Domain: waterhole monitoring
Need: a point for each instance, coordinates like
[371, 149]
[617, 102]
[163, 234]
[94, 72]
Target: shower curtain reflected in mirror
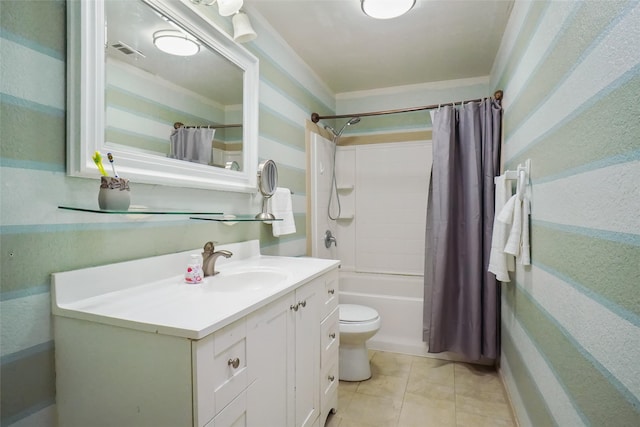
[462, 299]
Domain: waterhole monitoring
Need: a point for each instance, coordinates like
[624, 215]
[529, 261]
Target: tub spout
[209, 257]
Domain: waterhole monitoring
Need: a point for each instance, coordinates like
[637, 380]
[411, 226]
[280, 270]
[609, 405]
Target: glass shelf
[140, 210]
[133, 210]
[236, 218]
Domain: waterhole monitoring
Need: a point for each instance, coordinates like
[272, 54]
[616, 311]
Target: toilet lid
[356, 313]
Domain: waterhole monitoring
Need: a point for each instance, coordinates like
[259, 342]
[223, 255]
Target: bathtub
[398, 299]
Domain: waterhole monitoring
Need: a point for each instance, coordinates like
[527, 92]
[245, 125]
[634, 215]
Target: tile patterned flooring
[413, 391]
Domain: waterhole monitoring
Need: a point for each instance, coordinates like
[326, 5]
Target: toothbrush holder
[114, 194]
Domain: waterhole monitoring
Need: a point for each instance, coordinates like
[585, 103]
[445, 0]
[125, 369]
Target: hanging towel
[500, 263]
[518, 241]
[525, 247]
[281, 207]
[515, 234]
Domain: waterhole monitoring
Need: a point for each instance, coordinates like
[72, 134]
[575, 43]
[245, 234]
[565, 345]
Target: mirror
[267, 184]
[148, 107]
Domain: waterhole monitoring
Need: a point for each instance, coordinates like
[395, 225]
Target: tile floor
[412, 391]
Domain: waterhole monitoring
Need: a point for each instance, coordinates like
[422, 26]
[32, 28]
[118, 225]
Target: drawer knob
[331, 291]
[294, 307]
[234, 363]
[331, 378]
[332, 335]
[303, 303]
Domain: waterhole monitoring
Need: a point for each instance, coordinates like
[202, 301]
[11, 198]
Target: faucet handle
[209, 247]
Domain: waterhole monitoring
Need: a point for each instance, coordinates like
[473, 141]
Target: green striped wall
[38, 239]
[583, 148]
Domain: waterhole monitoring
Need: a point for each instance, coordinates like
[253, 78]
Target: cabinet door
[271, 361]
[307, 328]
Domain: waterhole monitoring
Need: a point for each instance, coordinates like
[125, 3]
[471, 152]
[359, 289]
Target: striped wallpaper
[38, 239]
[571, 322]
[571, 75]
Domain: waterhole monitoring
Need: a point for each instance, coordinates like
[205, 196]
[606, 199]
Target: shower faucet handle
[329, 239]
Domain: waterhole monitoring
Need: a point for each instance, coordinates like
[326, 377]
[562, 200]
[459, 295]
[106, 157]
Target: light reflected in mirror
[188, 108]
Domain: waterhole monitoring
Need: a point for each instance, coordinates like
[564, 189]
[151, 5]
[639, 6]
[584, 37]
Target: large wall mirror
[167, 118]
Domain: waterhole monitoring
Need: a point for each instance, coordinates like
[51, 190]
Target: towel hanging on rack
[500, 263]
[511, 224]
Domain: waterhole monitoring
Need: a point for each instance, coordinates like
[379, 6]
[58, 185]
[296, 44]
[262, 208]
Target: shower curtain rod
[315, 117]
[177, 125]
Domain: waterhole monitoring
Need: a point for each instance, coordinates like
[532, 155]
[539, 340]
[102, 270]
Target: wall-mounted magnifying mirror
[267, 184]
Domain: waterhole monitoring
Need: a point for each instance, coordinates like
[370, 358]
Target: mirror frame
[86, 102]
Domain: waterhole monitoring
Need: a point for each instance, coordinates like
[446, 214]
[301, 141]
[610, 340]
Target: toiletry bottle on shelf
[194, 273]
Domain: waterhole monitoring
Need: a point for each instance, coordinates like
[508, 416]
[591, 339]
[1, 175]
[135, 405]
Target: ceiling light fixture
[242, 30]
[386, 9]
[175, 43]
[229, 7]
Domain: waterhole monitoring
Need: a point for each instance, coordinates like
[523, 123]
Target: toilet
[358, 323]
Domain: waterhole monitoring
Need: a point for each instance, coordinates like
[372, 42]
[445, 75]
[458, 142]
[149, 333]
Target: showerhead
[352, 121]
[330, 129]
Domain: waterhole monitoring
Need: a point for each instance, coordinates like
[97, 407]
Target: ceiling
[349, 51]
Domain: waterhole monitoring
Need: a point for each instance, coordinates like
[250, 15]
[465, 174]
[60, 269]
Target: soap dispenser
[194, 273]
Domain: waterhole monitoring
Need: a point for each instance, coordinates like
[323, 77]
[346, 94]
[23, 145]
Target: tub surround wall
[571, 322]
[379, 229]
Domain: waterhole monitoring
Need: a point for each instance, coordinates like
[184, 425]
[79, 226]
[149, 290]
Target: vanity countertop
[150, 294]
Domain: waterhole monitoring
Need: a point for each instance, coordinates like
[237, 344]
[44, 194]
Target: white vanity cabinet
[286, 391]
[329, 344]
[265, 367]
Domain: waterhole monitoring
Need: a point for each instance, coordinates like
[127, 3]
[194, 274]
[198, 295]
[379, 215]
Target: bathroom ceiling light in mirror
[175, 42]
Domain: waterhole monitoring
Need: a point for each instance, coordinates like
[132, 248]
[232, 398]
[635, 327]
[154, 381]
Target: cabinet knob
[332, 335]
[234, 362]
[331, 291]
[303, 303]
[331, 378]
[294, 307]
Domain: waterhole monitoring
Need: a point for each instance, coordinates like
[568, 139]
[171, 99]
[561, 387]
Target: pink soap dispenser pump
[194, 273]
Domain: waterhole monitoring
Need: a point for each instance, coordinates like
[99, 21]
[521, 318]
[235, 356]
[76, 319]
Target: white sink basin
[246, 279]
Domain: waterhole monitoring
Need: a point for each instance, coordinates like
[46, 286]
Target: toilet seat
[353, 313]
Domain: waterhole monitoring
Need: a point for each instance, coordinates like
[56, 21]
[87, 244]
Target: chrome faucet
[209, 258]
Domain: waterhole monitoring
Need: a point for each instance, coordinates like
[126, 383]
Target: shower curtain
[462, 299]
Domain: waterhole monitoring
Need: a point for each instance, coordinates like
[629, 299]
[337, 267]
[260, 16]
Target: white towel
[525, 248]
[513, 242]
[281, 207]
[518, 241]
[500, 263]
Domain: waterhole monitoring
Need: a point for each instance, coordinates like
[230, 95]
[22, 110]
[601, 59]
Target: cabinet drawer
[234, 415]
[329, 388]
[330, 292]
[220, 370]
[330, 337]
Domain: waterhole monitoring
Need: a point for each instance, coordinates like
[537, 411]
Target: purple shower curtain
[462, 299]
